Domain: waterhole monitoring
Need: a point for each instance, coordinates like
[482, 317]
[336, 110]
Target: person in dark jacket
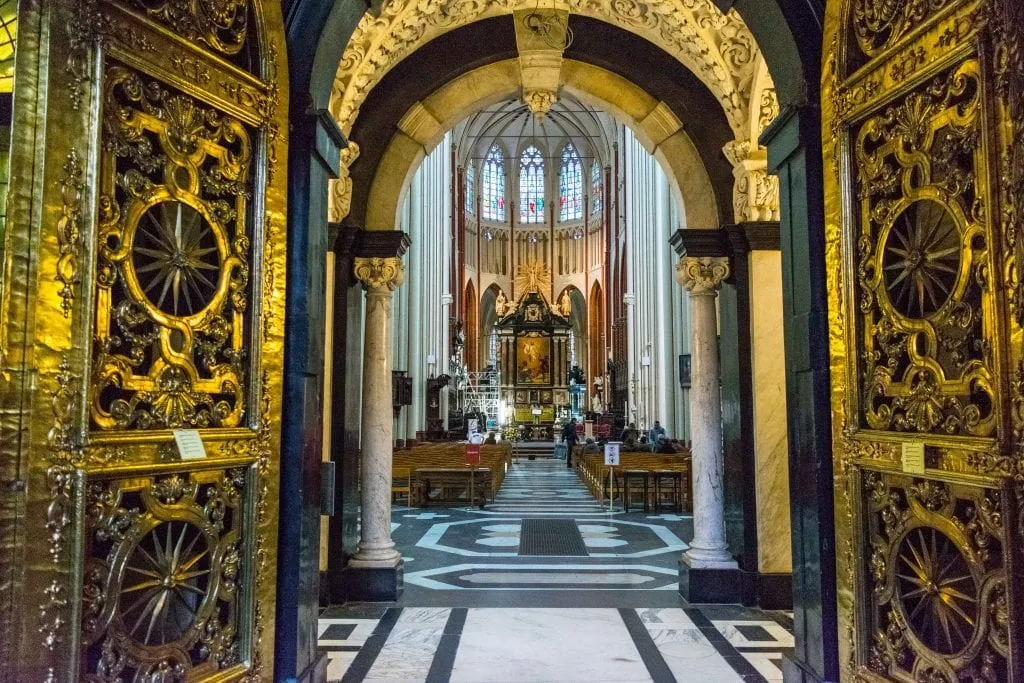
[569, 438]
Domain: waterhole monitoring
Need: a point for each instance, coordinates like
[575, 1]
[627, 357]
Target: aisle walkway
[544, 586]
[544, 487]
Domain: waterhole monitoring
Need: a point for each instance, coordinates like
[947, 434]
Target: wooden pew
[594, 474]
[439, 472]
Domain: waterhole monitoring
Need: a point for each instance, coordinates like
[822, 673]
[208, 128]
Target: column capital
[702, 275]
[378, 273]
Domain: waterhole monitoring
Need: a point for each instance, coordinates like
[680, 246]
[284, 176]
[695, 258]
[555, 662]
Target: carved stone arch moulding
[718, 48]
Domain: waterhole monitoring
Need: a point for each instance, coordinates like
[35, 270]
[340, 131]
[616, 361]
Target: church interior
[493, 340]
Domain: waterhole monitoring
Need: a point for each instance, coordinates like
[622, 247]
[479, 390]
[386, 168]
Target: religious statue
[458, 337]
[564, 305]
[500, 303]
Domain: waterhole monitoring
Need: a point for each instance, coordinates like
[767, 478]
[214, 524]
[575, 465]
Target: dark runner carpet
[553, 537]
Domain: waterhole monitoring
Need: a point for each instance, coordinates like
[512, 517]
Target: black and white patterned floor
[477, 607]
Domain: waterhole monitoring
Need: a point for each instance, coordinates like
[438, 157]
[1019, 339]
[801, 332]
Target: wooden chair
[401, 483]
[635, 481]
[668, 490]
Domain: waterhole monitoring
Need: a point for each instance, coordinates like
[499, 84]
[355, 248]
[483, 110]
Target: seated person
[656, 431]
[664, 445]
[491, 438]
[629, 434]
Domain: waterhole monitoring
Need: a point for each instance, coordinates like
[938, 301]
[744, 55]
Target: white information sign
[190, 444]
[913, 458]
[611, 453]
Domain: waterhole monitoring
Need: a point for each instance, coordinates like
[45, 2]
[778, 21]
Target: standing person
[569, 437]
[656, 431]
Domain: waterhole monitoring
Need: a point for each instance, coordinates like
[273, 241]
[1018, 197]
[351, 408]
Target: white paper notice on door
[913, 457]
[190, 444]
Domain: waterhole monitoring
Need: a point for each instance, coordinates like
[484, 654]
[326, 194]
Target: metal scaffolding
[483, 392]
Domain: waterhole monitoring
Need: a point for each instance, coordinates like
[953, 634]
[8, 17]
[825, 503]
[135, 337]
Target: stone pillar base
[793, 672]
[767, 591]
[374, 583]
[317, 671]
[720, 583]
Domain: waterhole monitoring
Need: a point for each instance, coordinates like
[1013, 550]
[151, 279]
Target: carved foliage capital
[380, 274]
[702, 275]
[540, 101]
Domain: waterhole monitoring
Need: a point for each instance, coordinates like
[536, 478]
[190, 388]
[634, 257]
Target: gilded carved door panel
[150, 236]
[923, 171]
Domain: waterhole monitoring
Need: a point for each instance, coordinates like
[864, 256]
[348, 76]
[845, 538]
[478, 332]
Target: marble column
[376, 551]
[702, 276]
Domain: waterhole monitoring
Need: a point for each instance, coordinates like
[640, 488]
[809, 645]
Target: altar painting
[533, 360]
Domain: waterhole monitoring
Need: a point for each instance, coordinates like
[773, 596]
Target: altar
[534, 353]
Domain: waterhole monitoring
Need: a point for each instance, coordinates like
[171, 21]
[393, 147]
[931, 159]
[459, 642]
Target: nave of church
[532, 340]
[490, 595]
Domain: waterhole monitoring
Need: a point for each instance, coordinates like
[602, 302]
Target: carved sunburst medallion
[921, 259]
[166, 580]
[176, 258]
[937, 589]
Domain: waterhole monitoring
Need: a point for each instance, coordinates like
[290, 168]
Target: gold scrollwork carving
[879, 24]
[162, 591]
[935, 568]
[83, 32]
[379, 274]
[702, 275]
[221, 25]
[173, 276]
[923, 263]
[69, 231]
[64, 458]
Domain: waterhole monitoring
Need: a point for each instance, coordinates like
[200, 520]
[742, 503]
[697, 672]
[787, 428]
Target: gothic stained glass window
[470, 187]
[570, 185]
[531, 186]
[492, 206]
[596, 189]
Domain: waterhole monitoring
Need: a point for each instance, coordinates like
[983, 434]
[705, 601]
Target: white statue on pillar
[564, 305]
[500, 303]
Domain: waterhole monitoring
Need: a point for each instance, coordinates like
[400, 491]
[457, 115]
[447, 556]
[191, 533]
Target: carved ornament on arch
[755, 193]
[718, 48]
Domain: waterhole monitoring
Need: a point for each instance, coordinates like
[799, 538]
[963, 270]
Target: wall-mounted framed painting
[522, 396]
[533, 360]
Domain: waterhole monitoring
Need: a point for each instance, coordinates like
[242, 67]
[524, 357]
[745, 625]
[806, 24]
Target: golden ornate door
[143, 304]
[924, 170]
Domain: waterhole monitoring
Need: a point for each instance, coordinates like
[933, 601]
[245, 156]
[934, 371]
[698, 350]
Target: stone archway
[425, 123]
[794, 153]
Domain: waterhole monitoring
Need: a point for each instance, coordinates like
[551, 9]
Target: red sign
[472, 454]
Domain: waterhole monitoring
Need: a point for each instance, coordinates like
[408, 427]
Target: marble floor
[474, 609]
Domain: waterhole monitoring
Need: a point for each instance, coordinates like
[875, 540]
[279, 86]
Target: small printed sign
[611, 453]
[472, 454]
[190, 444]
[913, 457]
